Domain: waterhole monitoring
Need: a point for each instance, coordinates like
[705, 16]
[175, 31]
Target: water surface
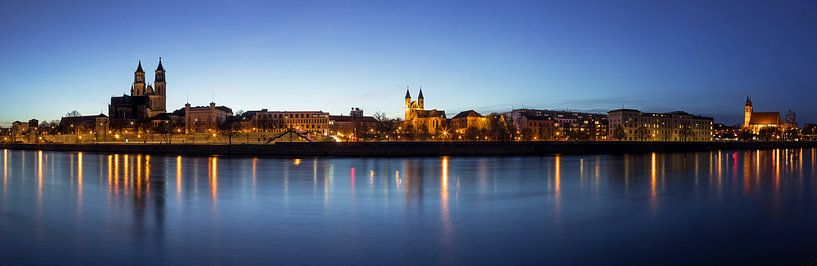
[725, 207]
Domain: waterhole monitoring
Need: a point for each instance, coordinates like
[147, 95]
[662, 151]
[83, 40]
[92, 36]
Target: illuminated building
[77, 124]
[461, 122]
[630, 125]
[204, 119]
[279, 121]
[418, 118]
[550, 124]
[355, 122]
[757, 121]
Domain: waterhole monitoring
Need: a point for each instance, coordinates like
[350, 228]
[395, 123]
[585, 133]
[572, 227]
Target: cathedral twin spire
[140, 89]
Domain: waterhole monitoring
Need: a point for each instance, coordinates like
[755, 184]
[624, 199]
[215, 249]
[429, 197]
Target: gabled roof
[469, 113]
[765, 118]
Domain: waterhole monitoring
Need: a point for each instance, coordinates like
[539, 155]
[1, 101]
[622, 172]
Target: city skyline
[467, 55]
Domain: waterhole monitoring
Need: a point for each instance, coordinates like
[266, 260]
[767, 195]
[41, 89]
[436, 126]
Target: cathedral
[144, 102]
[419, 118]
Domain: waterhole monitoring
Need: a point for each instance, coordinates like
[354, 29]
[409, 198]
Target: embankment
[397, 149]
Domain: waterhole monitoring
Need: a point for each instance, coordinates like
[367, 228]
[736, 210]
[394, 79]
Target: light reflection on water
[754, 206]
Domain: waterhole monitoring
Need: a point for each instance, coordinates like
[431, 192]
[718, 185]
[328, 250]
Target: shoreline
[409, 149]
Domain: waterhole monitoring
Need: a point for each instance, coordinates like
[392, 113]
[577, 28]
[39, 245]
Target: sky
[702, 57]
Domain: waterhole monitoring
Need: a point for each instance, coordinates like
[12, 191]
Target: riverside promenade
[400, 149]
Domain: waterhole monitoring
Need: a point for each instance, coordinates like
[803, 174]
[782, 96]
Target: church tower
[421, 100]
[159, 99]
[138, 81]
[408, 104]
[747, 112]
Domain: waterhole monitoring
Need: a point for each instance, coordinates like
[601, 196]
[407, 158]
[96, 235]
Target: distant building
[724, 132]
[204, 119]
[461, 122]
[757, 121]
[419, 118]
[628, 124]
[355, 122]
[550, 124]
[280, 121]
[144, 102]
[533, 124]
[91, 124]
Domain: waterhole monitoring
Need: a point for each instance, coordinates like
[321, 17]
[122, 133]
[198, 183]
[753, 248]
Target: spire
[160, 67]
[408, 96]
[421, 93]
[139, 68]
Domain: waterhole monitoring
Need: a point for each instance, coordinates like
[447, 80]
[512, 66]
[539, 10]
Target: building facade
[205, 119]
[355, 123]
[559, 125]
[461, 122]
[756, 121]
[418, 118]
[633, 125]
[279, 121]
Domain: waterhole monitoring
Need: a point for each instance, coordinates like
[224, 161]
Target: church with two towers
[145, 100]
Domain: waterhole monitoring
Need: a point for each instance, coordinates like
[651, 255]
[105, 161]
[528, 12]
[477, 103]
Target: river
[720, 207]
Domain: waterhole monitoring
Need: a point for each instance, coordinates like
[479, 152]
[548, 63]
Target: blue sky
[703, 57]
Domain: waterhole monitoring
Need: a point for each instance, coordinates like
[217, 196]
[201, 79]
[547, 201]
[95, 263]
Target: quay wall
[400, 149]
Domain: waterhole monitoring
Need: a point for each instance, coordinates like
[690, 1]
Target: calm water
[756, 207]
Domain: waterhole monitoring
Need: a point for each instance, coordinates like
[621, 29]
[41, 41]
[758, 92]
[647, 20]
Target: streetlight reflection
[213, 178]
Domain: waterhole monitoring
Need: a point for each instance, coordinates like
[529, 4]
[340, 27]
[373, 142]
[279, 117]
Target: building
[418, 118]
[724, 132]
[355, 123]
[632, 125]
[145, 100]
[532, 124]
[558, 125]
[204, 119]
[465, 120]
[96, 125]
[280, 121]
[754, 122]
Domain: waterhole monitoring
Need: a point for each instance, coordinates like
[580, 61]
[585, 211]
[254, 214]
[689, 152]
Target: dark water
[729, 208]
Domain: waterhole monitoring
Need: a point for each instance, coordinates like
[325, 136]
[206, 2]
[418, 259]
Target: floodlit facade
[280, 121]
[419, 118]
[756, 121]
[633, 125]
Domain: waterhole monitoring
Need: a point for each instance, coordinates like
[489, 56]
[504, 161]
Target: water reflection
[446, 203]
[213, 177]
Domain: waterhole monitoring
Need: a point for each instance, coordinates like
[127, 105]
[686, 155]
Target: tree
[791, 134]
[619, 133]
[745, 134]
[527, 134]
[166, 130]
[231, 128]
[472, 133]
[686, 131]
[74, 113]
[642, 133]
[768, 133]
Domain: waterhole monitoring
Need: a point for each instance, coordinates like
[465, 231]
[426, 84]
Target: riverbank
[395, 149]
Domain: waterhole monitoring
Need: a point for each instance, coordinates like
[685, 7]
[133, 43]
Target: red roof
[765, 118]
